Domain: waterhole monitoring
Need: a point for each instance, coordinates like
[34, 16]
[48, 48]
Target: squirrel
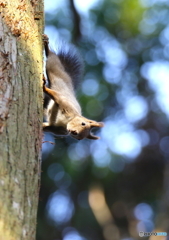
[61, 108]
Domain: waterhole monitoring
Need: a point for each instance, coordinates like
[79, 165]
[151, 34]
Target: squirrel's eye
[83, 124]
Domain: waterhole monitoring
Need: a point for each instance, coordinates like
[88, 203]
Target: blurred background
[112, 188]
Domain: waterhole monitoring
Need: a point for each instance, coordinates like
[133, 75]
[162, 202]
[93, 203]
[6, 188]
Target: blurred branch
[77, 20]
[102, 213]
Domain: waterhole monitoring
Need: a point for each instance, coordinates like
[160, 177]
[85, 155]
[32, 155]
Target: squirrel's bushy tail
[72, 62]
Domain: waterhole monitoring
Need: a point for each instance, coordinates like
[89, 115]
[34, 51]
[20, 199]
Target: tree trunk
[21, 26]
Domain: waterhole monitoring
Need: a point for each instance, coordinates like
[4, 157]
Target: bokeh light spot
[164, 144]
[55, 171]
[143, 211]
[136, 108]
[90, 87]
[60, 207]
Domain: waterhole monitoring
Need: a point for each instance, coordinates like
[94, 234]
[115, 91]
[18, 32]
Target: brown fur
[63, 112]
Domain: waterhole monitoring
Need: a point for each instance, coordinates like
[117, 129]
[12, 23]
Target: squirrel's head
[80, 127]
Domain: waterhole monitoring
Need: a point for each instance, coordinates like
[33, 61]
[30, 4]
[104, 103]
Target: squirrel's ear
[96, 124]
[93, 123]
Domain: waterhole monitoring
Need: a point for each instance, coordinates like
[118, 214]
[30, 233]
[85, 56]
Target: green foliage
[131, 15]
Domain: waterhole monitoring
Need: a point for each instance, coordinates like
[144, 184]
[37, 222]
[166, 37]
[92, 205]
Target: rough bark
[21, 26]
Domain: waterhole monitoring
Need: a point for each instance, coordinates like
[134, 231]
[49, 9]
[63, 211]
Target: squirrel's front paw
[44, 82]
[45, 38]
